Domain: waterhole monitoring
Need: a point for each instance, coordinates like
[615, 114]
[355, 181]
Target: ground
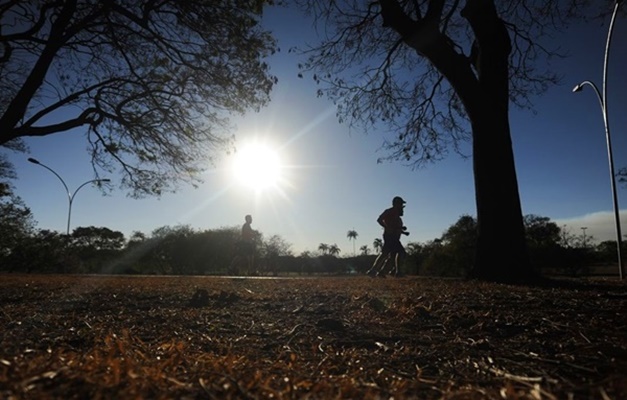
[105, 337]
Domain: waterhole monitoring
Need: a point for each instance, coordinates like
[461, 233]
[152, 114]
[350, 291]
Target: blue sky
[332, 182]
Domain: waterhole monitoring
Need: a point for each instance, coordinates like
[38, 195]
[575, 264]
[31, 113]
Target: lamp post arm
[78, 188]
[69, 195]
[71, 198]
[599, 96]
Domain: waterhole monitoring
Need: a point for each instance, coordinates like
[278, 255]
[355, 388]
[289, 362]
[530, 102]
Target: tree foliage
[98, 238]
[151, 83]
[541, 231]
[352, 235]
[16, 220]
[382, 77]
[378, 245]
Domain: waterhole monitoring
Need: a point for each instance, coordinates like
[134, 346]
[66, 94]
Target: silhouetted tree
[324, 248]
[96, 249]
[377, 244]
[541, 231]
[273, 249]
[416, 253]
[365, 250]
[16, 220]
[352, 235]
[460, 241]
[44, 251]
[97, 238]
[439, 72]
[151, 82]
[334, 250]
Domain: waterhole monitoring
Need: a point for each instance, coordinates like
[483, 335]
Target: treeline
[177, 250]
[182, 250]
[552, 250]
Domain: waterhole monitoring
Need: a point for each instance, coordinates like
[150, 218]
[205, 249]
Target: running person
[393, 228]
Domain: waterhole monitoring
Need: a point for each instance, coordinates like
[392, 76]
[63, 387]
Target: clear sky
[331, 181]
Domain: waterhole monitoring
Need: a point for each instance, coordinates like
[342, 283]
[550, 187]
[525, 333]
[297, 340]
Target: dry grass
[76, 337]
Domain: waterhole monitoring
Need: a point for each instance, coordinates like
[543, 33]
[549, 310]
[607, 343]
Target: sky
[331, 182]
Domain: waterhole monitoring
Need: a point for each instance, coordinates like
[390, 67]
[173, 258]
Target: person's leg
[384, 265]
[374, 264]
[395, 270]
[398, 260]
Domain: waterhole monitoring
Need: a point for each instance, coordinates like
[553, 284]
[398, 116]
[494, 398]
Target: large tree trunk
[501, 249]
[501, 253]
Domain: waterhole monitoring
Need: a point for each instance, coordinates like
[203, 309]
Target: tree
[324, 248]
[460, 242]
[16, 220]
[541, 231]
[436, 73]
[546, 252]
[43, 251]
[150, 82]
[98, 238]
[334, 250]
[136, 239]
[276, 246]
[378, 245]
[352, 235]
[416, 254]
[365, 250]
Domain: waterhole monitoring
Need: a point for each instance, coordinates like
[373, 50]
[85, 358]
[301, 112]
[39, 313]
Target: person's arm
[381, 220]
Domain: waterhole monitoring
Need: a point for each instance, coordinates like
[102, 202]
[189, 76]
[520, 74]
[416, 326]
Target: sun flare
[257, 166]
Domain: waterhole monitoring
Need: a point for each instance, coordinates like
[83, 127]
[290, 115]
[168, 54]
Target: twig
[583, 336]
[517, 378]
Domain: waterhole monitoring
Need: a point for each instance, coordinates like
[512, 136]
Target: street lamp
[583, 228]
[70, 195]
[603, 102]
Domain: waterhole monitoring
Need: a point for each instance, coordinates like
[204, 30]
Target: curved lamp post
[603, 102]
[70, 195]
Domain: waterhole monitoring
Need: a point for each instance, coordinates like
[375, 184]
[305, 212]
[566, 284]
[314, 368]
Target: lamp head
[105, 180]
[30, 159]
[577, 88]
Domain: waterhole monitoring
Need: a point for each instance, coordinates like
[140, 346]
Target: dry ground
[91, 337]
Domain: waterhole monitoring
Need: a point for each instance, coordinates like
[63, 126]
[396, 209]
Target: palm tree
[364, 250]
[378, 245]
[324, 248]
[352, 235]
[334, 250]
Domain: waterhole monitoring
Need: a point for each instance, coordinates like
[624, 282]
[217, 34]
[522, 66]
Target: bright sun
[257, 166]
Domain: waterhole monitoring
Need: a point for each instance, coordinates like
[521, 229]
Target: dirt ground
[104, 337]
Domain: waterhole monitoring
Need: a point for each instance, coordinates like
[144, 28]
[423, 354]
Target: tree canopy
[149, 83]
[373, 60]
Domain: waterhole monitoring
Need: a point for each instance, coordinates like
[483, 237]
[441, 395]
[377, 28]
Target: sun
[257, 166]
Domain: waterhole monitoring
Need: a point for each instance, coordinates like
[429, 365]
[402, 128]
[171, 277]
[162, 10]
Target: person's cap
[398, 200]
